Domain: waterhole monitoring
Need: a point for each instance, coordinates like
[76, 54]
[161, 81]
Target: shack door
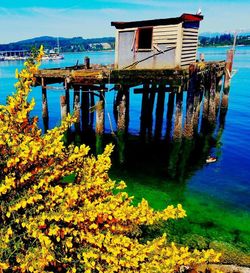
[126, 54]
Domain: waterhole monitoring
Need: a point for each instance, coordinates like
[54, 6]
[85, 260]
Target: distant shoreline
[216, 46]
[108, 50]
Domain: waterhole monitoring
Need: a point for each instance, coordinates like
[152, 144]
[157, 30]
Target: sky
[24, 19]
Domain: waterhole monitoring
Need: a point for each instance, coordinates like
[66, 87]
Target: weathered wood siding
[183, 39]
[166, 35]
[126, 55]
[189, 45]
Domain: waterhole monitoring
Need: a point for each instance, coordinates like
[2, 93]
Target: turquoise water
[176, 173]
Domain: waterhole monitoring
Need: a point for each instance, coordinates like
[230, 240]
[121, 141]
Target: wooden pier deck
[97, 74]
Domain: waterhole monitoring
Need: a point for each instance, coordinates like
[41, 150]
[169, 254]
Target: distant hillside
[79, 44]
[76, 44]
[216, 39]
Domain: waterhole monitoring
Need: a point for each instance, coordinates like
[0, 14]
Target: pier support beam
[99, 126]
[206, 98]
[149, 112]
[178, 115]
[170, 111]
[92, 105]
[63, 107]
[198, 96]
[67, 100]
[227, 78]
[159, 112]
[77, 103]
[45, 112]
[66, 86]
[77, 114]
[126, 93]
[121, 112]
[148, 97]
[217, 93]
[85, 109]
[87, 62]
[212, 111]
[121, 128]
[188, 128]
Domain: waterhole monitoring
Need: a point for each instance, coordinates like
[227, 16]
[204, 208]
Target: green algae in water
[207, 219]
[161, 174]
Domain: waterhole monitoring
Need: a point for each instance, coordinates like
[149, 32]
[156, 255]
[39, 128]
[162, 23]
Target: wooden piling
[170, 111]
[85, 109]
[212, 110]
[102, 98]
[121, 114]
[87, 62]
[126, 93]
[206, 97]
[188, 127]
[207, 124]
[77, 103]
[118, 98]
[102, 93]
[149, 113]
[144, 105]
[45, 112]
[121, 128]
[217, 93]
[67, 100]
[66, 86]
[63, 107]
[227, 78]
[99, 126]
[77, 114]
[86, 103]
[159, 112]
[201, 94]
[177, 134]
[92, 105]
[198, 96]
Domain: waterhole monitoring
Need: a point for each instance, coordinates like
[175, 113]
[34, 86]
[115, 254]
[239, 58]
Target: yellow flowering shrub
[87, 225]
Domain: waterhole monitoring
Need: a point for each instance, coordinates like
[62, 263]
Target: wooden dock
[97, 74]
[201, 80]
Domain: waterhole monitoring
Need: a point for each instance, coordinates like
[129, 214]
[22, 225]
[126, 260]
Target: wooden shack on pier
[157, 44]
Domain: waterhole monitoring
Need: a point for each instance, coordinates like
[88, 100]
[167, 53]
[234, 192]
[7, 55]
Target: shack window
[145, 38]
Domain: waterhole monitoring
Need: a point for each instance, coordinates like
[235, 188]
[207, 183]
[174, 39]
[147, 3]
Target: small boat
[52, 57]
[53, 54]
[211, 159]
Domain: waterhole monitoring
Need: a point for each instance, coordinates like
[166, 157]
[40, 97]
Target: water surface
[216, 196]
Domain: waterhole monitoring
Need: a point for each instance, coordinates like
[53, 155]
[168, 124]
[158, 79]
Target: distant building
[100, 46]
[106, 46]
[157, 44]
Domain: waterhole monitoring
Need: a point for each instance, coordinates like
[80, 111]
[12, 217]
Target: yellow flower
[16, 74]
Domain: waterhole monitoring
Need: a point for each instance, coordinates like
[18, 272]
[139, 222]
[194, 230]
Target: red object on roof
[191, 17]
[185, 17]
